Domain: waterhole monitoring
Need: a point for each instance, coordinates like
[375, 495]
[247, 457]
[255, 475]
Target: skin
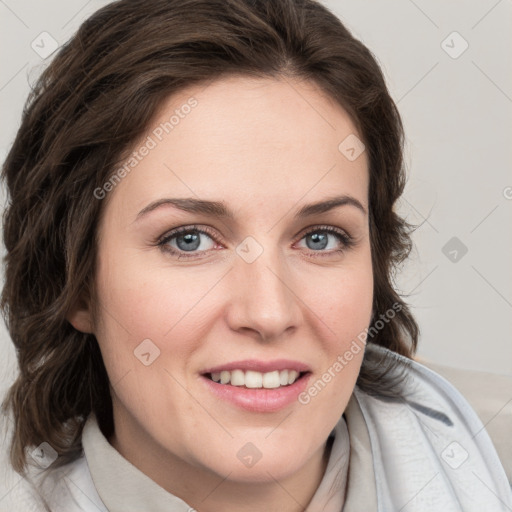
[265, 147]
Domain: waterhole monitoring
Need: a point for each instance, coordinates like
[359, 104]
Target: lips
[258, 386]
[258, 400]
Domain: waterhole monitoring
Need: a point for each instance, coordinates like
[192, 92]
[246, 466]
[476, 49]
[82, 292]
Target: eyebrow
[220, 210]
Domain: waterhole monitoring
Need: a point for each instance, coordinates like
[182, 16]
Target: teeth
[252, 379]
[271, 380]
[237, 378]
[292, 376]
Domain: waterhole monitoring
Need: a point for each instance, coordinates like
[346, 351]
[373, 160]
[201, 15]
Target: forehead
[249, 141]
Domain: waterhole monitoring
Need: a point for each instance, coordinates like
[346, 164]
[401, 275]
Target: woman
[200, 249]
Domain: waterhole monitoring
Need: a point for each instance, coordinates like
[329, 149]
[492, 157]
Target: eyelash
[345, 239]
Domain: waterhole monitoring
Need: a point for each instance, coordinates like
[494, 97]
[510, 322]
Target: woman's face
[250, 287]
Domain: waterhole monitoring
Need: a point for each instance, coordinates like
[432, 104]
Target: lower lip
[259, 399]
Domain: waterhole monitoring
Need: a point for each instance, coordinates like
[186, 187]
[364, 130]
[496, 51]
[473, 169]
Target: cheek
[343, 302]
[344, 312]
[347, 323]
[145, 336]
[140, 303]
[355, 301]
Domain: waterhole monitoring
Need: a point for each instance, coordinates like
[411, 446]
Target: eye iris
[318, 238]
[191, 240]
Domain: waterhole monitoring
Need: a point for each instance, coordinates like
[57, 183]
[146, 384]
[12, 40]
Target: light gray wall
[457, 115]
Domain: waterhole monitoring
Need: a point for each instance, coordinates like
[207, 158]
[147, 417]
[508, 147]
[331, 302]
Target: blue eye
[188, 241]
[185, 240]
[319, 238]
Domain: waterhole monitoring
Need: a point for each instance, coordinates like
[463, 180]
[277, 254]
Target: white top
[427, 452]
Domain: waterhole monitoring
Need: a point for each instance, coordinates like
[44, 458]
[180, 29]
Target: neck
[206, 491]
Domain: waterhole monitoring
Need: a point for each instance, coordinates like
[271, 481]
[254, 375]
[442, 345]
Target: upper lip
[260, 366]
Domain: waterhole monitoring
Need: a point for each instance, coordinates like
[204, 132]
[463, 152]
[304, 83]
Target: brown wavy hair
[91, 104]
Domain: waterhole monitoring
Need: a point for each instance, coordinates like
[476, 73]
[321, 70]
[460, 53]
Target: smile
[253, 379]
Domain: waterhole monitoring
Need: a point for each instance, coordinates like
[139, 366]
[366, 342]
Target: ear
[80, 316]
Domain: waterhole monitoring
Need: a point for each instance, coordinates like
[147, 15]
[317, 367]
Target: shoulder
[430, 437]
[67, 488]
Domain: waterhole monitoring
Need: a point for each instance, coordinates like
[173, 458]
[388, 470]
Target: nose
[264, 301]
